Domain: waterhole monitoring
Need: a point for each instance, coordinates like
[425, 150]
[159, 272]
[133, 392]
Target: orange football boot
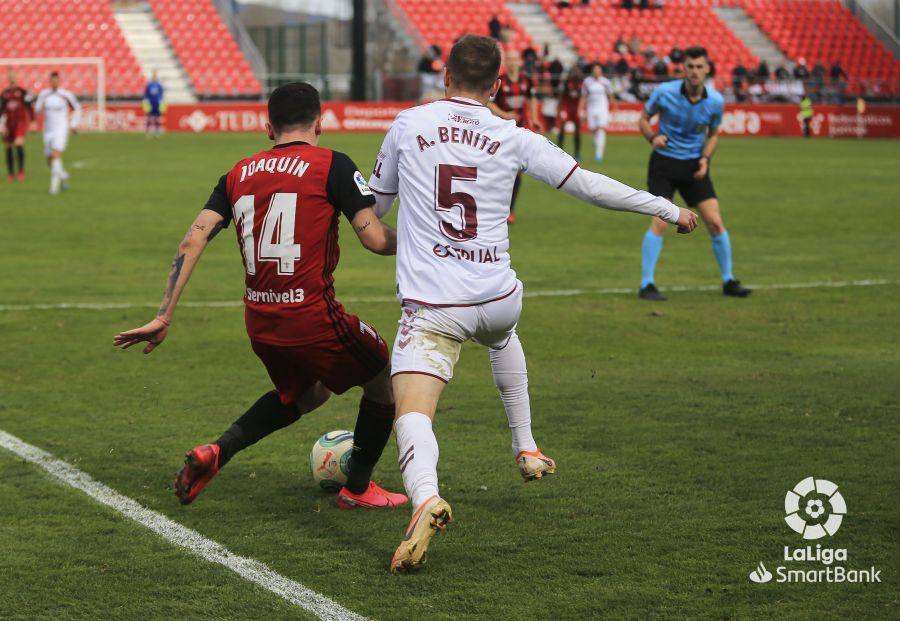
[374, 497]
[201, 464]
[534, 465]
[432, 516]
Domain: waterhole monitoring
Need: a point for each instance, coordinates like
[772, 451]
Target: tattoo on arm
[362, 227]
[215, 230]
[174, 273]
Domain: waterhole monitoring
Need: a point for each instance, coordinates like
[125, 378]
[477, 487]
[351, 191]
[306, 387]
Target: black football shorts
[666, 174]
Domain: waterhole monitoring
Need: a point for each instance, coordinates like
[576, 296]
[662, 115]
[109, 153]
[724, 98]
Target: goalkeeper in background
[153, 105]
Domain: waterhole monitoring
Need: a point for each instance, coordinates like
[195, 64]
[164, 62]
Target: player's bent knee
[715, 228]
[379, 388]
[313, 398]
[417, 392]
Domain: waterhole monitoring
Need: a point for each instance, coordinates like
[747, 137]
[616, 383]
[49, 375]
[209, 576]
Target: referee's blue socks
[721, 245]
[650, 250]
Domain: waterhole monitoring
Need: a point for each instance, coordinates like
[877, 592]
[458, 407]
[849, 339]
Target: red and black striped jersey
[513, 95]
[570, 91]
[16, 105]
[285, 203]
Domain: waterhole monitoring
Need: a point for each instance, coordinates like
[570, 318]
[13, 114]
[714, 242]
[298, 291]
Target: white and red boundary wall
[739, 119]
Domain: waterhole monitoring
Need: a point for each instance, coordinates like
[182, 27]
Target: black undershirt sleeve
[346, 188]
[218, 201]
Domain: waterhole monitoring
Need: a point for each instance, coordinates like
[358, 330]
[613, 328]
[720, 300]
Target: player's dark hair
[474, 63]
[295, 104]
[54, 74]
[697, 51]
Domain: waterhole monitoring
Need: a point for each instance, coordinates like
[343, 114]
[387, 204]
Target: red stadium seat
[440, 22]
[207, 51]
[817, 30]
[54, 28]
[823, 31]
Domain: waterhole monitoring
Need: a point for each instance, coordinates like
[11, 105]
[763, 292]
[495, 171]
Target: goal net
[85, 77]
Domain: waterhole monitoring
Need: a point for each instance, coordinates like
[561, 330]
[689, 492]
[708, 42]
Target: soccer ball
[328, 459]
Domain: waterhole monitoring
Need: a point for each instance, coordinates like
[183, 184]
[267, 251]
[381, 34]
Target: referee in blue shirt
[689, 117]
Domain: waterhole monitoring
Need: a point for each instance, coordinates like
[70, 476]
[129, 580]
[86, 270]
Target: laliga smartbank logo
[814, 508]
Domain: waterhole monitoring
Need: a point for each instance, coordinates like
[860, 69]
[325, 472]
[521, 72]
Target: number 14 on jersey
[276, 240]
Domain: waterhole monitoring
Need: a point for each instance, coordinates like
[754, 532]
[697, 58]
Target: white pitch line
[540, 293]
[247, 568]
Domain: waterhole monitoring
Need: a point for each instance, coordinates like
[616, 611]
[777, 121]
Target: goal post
[32, 73]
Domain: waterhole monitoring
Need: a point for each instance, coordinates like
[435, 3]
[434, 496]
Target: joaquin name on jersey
[288, 165]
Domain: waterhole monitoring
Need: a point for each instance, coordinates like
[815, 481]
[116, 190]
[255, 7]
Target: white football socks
[57, 174]
[599, 142]
[511, 378]
[418, 456]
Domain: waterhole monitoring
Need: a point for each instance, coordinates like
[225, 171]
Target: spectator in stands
[494, 27]
[660, 69]
[620, 47]
[817, 80]
[627, 4]
[837, 72]
[762, 70]
[801, 72]
[738, 80]
[659, 4]
[529, 61]
[818, 71]
[429, 68]
[781, 73]
[645, 4]
[637, 77]
[556, 70]
[622, 67]
[609, 68]
[676, 55]
[635, 45]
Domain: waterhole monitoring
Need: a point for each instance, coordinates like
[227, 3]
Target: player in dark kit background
[286, 203]
[569, 108]
[17, 108]
[516, 101]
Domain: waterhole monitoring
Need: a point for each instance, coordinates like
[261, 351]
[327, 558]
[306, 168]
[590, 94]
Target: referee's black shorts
[666, 174]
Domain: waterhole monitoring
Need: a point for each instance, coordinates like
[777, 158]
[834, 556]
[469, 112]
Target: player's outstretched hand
[154, 333]
[687, 220]
[660, 141]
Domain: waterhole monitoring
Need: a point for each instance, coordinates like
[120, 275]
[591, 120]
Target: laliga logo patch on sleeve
[361, 184]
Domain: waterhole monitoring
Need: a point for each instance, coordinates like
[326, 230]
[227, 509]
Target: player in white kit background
[596, 95]
[453, 164]
[56, 103]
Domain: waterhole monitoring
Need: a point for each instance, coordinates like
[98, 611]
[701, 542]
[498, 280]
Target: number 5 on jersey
[278, 224]
[445, 199]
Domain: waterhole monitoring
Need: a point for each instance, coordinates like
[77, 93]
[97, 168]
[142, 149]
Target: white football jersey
[55, 104]
[598, 91]
[454, 164]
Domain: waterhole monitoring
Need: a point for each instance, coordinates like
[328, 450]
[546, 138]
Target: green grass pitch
[678, 427]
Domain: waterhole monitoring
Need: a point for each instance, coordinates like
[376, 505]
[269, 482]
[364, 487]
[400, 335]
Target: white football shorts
[55, 141]
[430, 337]
[597, 118]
